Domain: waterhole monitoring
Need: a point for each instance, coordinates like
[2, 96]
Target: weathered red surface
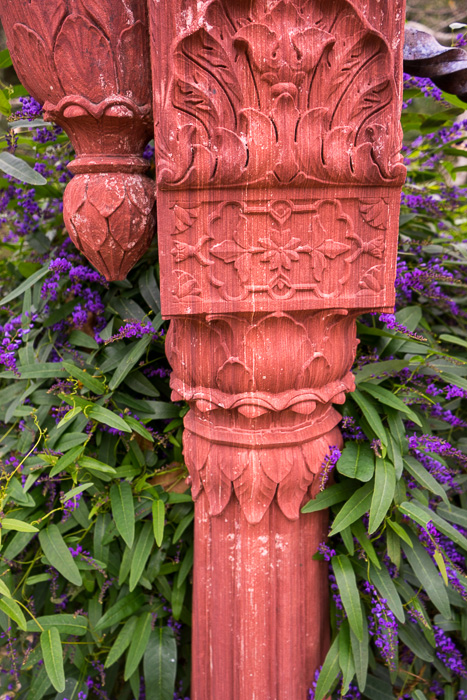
[82, 60]
[278, 173]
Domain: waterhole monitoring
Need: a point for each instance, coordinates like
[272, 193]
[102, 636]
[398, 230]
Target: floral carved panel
[279, 253]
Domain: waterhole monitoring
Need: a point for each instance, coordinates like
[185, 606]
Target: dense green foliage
[96, 554]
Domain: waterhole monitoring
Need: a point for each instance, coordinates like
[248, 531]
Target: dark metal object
[426, 58]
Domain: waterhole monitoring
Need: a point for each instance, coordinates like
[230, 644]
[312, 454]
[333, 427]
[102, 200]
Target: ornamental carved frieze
[277, 253]
[289, 93]
[87, 62]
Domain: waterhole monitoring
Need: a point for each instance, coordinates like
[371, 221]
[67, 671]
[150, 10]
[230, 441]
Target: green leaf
[149, 290]
[418, 695]
[5, 59]
[389, 399]
[454, 514]
[400, 531]
[96, 466]
[414, 640]
[121, 500]
[18, 525]
[53, 658]
[360, 533]
[414, 512]
[185, 566]
[126, 606]
[379, 369]
[160, 664]
[18, 168]
[386, 588]
[141, 554]
[74, 492]
[346, 662]
[357, 461]
[178, 596]
[360, 652]
[69, 458]
[122, 642]
[424, 478]
[39, 685]
[438, 557]
[103, 415]
[446, 528]
[57, 553]
[138, 428]
[371, 414]
[129, 361]
[158, 520]
[20, 289]
[85, 378]
[11, 608]
[4, 590]
[347, 583]
[82, 340]
[329, 497]
[182, 526]
[376, 689]
[76, 625]
[329, 671]
[383, 493]
[357, 505]
[138, 644]
[69, 415]
[427, 574]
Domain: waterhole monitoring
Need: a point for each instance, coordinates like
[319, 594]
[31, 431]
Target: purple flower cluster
[350, 429]
[382, 625]
[326, 551]
[12, 336]
[135, 329]
[328, 465]
[448, 653]
[391, 324]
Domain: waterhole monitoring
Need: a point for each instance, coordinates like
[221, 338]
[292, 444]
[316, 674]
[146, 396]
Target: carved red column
[87, 62]
[279, 175]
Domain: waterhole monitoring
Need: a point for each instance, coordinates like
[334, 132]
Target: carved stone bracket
[82, 60]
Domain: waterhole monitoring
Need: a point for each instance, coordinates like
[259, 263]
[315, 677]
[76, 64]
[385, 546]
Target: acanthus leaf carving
[261, 78]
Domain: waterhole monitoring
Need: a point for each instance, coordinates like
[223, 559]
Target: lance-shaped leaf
[347, 583]
[385, 484]
[53, 658]
[427, 574]
[58, 554]
[141, 554]
[121, 500]
[138, 644]
[160, 664]
[357, 505]
[329, 671]
[18, 168]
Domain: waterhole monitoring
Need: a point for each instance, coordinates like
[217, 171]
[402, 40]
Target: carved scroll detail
[261, 391]
[81, 58]
[299, 93]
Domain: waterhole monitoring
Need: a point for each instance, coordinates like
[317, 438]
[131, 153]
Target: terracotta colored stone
[82, 61]
[279, 176]
[277, 142]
